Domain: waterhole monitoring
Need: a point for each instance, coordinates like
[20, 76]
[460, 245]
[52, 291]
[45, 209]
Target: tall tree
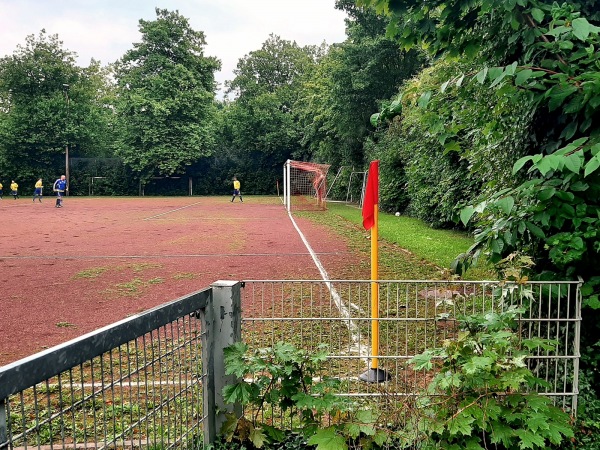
[49, 103]
[353, 79]
[36, 123]
[166, 91]
[261, 125]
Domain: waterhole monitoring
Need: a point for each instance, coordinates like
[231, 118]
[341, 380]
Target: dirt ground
[68, 271]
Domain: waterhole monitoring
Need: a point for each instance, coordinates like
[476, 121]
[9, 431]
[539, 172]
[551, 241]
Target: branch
[532, 23]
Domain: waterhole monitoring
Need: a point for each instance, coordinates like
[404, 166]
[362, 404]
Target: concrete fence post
[222, 321]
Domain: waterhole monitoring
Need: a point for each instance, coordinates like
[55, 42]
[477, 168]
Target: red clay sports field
[65, 272]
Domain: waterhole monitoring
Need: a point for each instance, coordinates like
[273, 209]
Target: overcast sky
[105, 29]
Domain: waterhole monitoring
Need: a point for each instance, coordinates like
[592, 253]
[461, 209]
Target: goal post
[304, 185]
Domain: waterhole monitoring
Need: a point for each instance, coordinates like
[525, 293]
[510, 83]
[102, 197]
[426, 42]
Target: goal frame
[306, 180]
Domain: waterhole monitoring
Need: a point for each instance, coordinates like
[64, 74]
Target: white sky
[105, 29]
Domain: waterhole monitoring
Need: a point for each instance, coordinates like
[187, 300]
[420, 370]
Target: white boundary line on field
[355, 337]
[169, 212]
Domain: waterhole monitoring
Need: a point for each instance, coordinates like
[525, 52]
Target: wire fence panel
[137, 383]
[414, 316]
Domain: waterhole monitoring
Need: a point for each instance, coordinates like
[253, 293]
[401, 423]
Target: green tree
[348, 86]
[165, 104]
[48, 103]
[260, 128]
[35, 126]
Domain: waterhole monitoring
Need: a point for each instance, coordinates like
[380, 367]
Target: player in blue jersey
[60, 187]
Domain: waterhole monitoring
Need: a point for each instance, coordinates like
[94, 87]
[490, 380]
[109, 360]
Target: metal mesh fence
[138, 383]
[414, 316]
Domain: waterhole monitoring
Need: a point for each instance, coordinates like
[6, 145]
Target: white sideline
[356, 340]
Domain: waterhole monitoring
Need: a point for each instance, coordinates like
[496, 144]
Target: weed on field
[93, 272]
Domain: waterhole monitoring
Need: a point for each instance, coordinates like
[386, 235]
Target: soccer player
[236, 190]
[14, 189]
[38, 190]
[60, 186]
[1, 192]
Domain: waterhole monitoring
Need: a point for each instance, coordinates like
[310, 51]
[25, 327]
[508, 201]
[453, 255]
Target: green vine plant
[286, 379]
[483, 394]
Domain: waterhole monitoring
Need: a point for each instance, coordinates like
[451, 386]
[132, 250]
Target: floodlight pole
[66, 86]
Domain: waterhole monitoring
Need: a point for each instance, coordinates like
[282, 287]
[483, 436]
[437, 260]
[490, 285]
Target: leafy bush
[285, 380]
[483, 393]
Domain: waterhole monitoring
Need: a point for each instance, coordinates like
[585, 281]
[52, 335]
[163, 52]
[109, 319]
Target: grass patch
[134, 287]
[64, 324]
[140, 267]
[184, 276]
[130, 287]
[157, 280]
[93, 272]
[404, 242]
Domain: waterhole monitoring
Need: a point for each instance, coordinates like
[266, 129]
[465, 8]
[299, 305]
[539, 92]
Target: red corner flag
[371, 196]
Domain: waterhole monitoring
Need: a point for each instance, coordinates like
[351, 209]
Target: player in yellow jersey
[38, 190]
[14, 189]
[236, 190]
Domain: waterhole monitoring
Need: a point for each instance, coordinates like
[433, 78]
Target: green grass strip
[439, 247]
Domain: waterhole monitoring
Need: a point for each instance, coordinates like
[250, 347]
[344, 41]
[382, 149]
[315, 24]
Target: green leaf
[558, 94]
[501, 433]
[229, 425]
[257, 437]
[535, 230]
[520, 163]
[375, 119]
[380, 438]
[444, 86]
[581, 28]
[510, 70]
[422, 361]
[544, 165]
[506, 204]
[352, 430]
[529, 439]
[573, 163]
[240, 393]
[424, 99]
[592, 302]
[466, 213]
[523, 76]
[366, 416]
[461, 425]
[452, 146]
[592, 165]
[482, 75]
[537, 14]
[328, 439]
[546, 194]
[569, 131]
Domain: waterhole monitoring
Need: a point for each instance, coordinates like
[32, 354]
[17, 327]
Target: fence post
[222, 322]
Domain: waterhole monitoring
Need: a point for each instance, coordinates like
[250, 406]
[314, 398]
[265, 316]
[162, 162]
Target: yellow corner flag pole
[375, 288]
[370, 213]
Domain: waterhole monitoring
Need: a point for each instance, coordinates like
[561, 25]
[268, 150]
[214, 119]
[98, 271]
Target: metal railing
[414, 316]
[154, 380]
[146, 382]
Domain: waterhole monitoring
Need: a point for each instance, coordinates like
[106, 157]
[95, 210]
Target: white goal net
[304, 185]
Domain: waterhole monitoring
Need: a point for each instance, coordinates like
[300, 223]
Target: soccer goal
[304, 185]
